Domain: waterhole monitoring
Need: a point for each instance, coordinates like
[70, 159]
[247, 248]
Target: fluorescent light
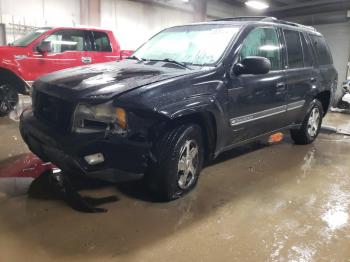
[257, 5]
[268, 48]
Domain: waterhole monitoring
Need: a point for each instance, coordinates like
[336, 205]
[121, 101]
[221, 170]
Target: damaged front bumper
[123, 159]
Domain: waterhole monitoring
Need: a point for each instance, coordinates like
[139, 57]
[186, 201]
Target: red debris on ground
[275, 138]
[27, 165]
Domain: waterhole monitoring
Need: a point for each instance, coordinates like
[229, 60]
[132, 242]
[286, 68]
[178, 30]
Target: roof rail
[295, 24]
[265, 19]
[243, 18]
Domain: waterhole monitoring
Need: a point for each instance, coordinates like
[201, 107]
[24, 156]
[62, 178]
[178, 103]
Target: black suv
[186, 95]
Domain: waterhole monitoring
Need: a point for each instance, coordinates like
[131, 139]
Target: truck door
[102, 49]
[300, 75]
[257, 103]
[68, 47]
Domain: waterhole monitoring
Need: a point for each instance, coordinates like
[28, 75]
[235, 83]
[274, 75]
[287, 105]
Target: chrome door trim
[266, 113]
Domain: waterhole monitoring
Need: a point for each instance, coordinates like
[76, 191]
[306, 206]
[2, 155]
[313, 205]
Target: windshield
[30, 37]
[195, 44]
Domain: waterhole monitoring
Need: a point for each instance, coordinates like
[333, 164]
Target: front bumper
[124, 159]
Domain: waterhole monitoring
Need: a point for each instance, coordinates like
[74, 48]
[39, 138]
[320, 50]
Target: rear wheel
[180, 160]
[311, 125]
[8, 98]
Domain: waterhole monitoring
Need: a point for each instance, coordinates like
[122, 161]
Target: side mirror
[44, 47]
[254, 65]
[125, 53]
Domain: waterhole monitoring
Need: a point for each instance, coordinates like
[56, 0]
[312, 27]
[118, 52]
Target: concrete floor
[256, 203]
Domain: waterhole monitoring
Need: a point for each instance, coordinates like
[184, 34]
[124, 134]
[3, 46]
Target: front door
[257, 103]
[68, 49]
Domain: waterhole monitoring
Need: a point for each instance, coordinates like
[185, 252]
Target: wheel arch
[325, 98]
[206, 121]
[8, 76]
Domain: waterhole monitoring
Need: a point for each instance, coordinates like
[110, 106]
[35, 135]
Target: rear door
[300, 75]
[257, 102]
[325, 70]
[102, 49]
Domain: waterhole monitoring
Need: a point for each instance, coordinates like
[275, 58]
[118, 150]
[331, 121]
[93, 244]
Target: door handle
[86, 59]
[281, 86]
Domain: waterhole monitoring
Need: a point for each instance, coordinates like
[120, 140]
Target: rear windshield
[30, 37]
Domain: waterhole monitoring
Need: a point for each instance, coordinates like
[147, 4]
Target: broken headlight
[89, 118]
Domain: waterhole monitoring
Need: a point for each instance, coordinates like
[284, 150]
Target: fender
[206, 104]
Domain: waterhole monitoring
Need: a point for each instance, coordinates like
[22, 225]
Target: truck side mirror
[125, 53]
[255, 65]
[44, 47]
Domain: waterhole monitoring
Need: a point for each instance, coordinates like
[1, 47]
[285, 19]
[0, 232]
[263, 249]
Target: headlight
[96, 118]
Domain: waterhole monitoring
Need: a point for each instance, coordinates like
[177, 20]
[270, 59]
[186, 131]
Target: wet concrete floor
[255, 203]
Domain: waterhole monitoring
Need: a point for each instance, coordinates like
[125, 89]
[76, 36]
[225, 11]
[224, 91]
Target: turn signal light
[121, 117]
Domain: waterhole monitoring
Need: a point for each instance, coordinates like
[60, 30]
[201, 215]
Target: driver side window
[67, 40]
[263, 42]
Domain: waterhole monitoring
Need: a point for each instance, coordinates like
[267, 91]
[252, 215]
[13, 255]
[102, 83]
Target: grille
[55, 112]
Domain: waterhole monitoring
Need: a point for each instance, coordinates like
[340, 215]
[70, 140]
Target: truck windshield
[194, 44]
[30, 37]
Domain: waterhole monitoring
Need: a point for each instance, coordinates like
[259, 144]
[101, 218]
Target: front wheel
[8, 98]
[311, 125]
[179, 162]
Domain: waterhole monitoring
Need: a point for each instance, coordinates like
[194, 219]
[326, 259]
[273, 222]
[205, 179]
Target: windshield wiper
[136, 58]
[169, 60]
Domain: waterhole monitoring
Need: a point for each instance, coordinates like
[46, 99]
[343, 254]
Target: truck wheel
[179, 162]
[311, 125]
[8, 98]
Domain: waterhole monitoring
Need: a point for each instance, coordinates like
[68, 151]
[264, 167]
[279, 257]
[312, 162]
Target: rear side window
[102, 43]
[308, 61]
[322, 51]
[263, 42]
[67, 40]
[294, 49]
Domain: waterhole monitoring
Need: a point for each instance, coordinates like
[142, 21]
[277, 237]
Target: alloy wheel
[313, 122]
[188, 164]
[8, 98]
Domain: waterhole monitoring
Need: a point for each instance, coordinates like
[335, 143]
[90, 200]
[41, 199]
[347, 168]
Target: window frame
[287, 66]
[309, 47]
[276, 29]
[93, 42]
[85, 48]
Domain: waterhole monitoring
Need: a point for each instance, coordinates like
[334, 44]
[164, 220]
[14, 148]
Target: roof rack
[265, 19]
[295, 24]
[242, 18]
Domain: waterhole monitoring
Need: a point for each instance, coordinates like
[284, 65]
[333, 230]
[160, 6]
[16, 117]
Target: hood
[14, 52]
[104, 81]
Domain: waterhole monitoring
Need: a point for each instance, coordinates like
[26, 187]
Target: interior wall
[133, 22]
[219, 9]
[35, 13]
[338, 39]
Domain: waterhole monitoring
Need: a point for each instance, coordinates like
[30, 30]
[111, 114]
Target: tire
[8, 98]
[311, 125]
[176, 172]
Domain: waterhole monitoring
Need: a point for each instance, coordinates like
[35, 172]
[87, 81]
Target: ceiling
[308, 12]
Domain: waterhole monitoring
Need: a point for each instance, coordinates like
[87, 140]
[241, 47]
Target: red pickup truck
[50, 49]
